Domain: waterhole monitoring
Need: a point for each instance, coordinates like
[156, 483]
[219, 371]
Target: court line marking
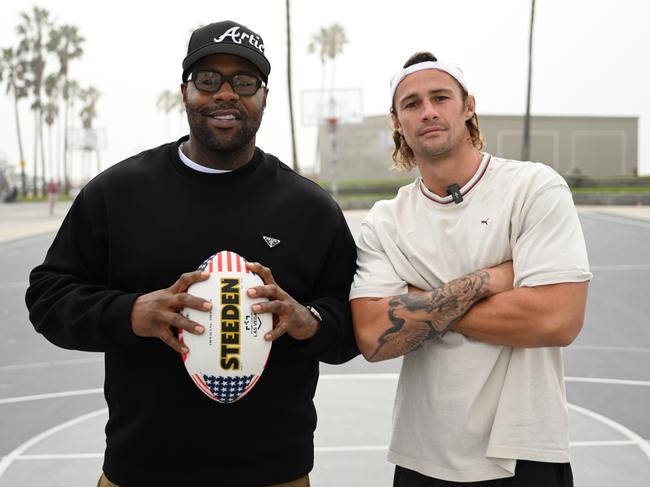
[607, 348]
[21, 284]
[365, 448]
[60, 456]
[380, 376]
[17, 453]
[36, 365]
[318, 449]
[385, 376]
[601, 380]
[574, 444]
[395, 376]
[6, 461]
[617, 219]
[51, 395]
[628, 433]
[349, 449]
[620, 267]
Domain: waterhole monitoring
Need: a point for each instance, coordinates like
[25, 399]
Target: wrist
[315, 321]
[498, 280]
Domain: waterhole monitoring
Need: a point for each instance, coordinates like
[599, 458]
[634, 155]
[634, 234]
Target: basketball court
[52, 410]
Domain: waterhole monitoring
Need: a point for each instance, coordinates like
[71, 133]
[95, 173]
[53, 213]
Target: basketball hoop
[319, 107]
[330, 108]
[84, 139]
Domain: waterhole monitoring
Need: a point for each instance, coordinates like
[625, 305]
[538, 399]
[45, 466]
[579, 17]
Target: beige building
[592, 146]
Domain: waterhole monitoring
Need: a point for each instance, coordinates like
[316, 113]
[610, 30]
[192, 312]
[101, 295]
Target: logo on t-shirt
[485, 222]
[270, 241]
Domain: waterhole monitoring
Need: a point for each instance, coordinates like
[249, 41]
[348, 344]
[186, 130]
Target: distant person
[12, 195]
[481, 397]
[116, 278]
[5, 187]
[53, 194]
[8, 192]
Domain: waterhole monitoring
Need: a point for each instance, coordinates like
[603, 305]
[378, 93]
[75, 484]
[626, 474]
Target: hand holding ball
[228, 358]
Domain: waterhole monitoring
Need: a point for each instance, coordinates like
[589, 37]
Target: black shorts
[527, 474]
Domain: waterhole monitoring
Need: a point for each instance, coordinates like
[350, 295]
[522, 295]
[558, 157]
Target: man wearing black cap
[110, 282]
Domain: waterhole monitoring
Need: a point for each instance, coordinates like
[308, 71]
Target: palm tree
[32, 32]
[329, 42]
[525, 146]
[66, 43]
[88, 113]
[12, 72]
[169, 101]
[50, 115]
[89, 97]
[70, 90]
[290, 90]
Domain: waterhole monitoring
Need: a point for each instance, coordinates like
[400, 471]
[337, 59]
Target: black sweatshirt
[136, 228]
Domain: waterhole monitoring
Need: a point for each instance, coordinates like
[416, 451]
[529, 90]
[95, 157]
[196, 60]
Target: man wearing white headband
[477, 274]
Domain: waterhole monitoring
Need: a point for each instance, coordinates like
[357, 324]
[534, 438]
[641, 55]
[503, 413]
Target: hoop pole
[332, 121]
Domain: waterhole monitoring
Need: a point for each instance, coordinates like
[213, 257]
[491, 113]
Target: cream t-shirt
[466, 410]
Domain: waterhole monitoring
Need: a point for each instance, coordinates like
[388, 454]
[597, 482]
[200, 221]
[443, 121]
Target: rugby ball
[229, 357]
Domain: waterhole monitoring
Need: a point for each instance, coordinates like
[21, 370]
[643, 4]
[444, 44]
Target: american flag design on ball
[227, 360]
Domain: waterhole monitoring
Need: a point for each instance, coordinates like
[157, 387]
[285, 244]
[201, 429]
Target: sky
[590, 58]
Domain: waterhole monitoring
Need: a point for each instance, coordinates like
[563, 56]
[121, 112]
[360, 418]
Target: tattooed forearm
[417, 317]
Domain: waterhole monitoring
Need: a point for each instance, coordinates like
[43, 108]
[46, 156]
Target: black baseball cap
[226, 37]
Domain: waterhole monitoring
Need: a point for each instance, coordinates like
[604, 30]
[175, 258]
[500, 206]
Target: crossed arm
[540, 316]
[481, 305]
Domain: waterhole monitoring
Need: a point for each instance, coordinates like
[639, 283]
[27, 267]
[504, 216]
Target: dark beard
[223, 144]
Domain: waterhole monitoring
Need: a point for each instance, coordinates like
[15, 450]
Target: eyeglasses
[243, 84]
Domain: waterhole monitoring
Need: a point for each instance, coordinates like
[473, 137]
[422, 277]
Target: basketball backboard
[345, 105]
[87, 139]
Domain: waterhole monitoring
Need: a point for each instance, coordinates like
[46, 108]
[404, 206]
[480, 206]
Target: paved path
[20, 220]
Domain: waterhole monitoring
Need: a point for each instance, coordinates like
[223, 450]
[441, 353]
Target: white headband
[449, 68]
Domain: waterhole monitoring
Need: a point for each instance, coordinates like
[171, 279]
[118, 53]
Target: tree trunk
[66, 129]
[50, 152]
[525, 146]
[35, 175]
[85, 166]
[21, 153]
[40, 137]
[290, 90]
[58, 148]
